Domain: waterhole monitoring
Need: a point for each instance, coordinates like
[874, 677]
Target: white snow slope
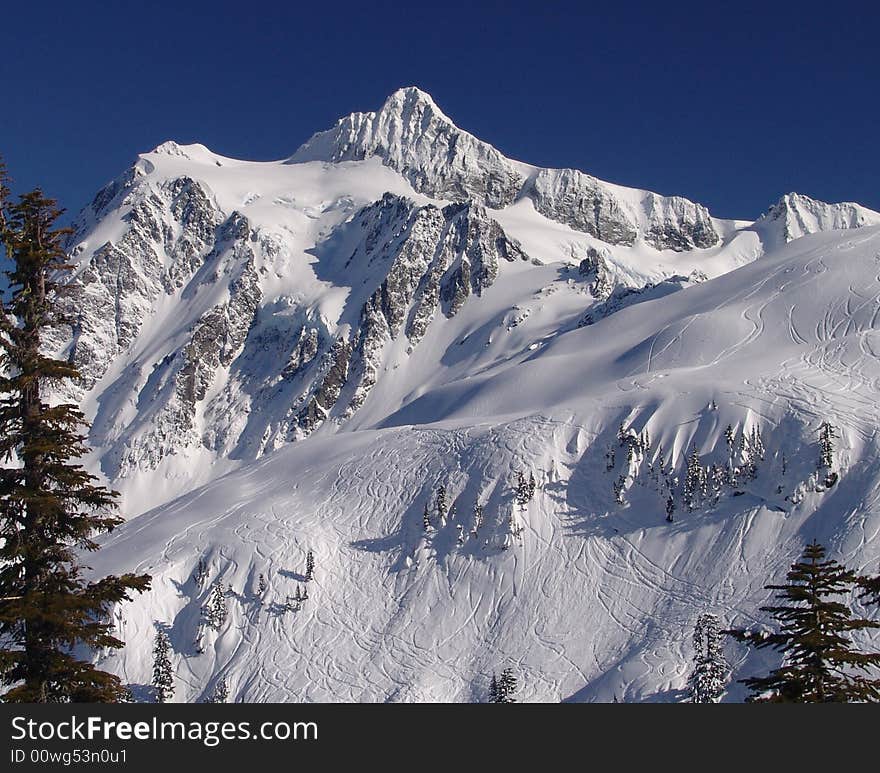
[280, 358]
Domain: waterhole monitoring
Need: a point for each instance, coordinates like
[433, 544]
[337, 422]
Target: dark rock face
[582, 203]
[622, 297]
[594, 266]
[436, 259]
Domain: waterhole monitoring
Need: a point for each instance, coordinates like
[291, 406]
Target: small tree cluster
[310, 566]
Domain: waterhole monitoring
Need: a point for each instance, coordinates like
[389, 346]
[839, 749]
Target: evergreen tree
[826, 446]
[522, 491]
[442, 506]
[819, 660]
[163, 674]
[215, 610]
[478, 518]
[709, 676]
[426, 519]
[493, 689]
[507, 686]
[50, 507]
[694, 482]
[310, 566]
[532, 486]
[609, 459]
[618, 489]
[201, 572]
[261, 583]
[221, 691]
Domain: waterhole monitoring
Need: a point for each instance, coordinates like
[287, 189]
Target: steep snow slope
[585, 597]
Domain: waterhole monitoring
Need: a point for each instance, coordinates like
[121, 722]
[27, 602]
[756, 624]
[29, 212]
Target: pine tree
[618, 489]
[493, 689]
[826, 446]
[507, 686]
[694, 482]
[522, 491]
[442, 506]
[201, 572]
[310, 566]
[532, 486]
[819, 660]
[609, 459]
[709, 676]
[261, 583]
[163, 674]
[215, 610]
[221, 691]
[426, 519]
[478, 518]
[50, 507]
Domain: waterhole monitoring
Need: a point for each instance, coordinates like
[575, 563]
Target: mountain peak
[796, 215]
[410, 96]
[410, 134]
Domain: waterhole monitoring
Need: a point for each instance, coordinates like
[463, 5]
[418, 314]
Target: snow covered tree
[709, 676]
[752, 452]
[670, 507]
[442, 505]
[694, 482]
[532, 486]
[426, 519]
[732, 471]
[478, 518]
[493, 689]
[507, 686]
[221, 691]
[715, 484]
[522, 491]
[618, 488]
[215, 610]
[826, 446]
[201, 572]
[310, 566]
[261, 583]
[820, 663]
[609, 459]
[163, 674]
[51, 508]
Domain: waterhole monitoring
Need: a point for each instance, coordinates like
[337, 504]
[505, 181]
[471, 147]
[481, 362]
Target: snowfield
[294, 356]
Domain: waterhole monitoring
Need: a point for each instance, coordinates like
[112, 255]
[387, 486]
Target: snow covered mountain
[296, 355]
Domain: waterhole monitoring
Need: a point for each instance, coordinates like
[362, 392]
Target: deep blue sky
[730, 104]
